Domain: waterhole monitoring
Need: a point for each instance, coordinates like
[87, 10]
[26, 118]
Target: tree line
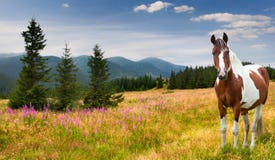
[201, 77]
[137, 84]
[190, 78]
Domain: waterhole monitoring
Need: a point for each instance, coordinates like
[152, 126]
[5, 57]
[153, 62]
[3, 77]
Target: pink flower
[86, 132]
[139, 118]
[95, 131]
[9, 111]
[49, 141]
[90, 123]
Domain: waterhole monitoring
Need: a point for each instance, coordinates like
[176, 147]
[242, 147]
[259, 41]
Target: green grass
[183, 124]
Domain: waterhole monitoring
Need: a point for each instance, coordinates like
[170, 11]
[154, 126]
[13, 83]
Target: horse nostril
[222, 77]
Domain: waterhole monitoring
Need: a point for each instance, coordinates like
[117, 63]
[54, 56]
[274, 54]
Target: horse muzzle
[222, 74]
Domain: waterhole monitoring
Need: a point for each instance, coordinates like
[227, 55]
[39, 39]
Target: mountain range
[10, 67]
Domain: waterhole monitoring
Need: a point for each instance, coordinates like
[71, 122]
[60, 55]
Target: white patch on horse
[217, 80]
[221, 64]
[250, 94]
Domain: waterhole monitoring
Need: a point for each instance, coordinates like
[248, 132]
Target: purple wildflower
[67, 110]
[103, 110]
[139, 118]
[9, 111]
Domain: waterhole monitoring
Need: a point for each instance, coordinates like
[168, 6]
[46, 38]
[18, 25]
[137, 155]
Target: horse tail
[259, 129]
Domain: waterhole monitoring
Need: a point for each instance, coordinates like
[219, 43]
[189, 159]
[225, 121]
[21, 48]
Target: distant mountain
[163, 66]
[10, 66]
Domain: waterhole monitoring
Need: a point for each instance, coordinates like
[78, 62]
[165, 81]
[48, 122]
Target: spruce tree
[34, 73]
[101, 93]
[172, 81]
[66, 81]
[159, 82]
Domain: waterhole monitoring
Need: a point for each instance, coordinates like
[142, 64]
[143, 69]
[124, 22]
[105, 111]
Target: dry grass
[155, 124]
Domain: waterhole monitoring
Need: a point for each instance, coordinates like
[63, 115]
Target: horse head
[220, 53]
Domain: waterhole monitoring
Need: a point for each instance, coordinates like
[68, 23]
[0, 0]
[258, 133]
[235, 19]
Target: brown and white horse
[241, 87]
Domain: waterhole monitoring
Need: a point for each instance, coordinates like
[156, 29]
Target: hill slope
[10, 67]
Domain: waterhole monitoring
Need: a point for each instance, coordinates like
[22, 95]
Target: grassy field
[155, 124]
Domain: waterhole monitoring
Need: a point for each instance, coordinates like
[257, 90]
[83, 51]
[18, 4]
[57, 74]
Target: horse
[241, 87]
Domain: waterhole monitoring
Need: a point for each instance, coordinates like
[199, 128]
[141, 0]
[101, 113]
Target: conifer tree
[100, 94]
[159, 82]
[66, 81]
[34, 73]
[172, 81]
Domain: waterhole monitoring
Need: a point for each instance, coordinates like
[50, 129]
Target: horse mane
[236, 63]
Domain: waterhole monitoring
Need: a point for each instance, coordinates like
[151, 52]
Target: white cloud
[153, 7]
[247, 23]
[142, 7]
[228, 17]
[65, 5]
[183, 8]
[258, 46]
[239, 25]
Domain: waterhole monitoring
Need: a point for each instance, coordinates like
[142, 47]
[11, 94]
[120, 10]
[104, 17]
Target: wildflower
[67, 110]
[98, 120]
[95, 131]
[15, 121]
[147, 112]
[9, 111]
[54, 123]
[49, 141]
[139, 118]
[76, 121]
[90, 123]
[86, 132]
[46, 107]
[88, 111]
[61, 118]
[103, 110]
[32, 111]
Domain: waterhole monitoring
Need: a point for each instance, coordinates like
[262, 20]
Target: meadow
[154, 124]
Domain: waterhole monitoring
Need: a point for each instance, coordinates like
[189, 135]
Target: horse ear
[213, 39]
[225, 37]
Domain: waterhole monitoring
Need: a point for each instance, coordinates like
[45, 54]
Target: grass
[155, 124]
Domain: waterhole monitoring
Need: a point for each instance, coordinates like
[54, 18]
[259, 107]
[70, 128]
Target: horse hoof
[252, 147]
[245, 145]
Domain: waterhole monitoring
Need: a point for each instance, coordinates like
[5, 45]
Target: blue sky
[174, 30]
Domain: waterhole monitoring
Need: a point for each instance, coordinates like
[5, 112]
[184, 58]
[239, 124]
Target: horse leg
[235, 129]
[223, 130]
[257, 125]
[246, 129]
[222, 110]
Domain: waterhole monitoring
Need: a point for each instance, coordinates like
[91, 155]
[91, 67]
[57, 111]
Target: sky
[177, 31]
